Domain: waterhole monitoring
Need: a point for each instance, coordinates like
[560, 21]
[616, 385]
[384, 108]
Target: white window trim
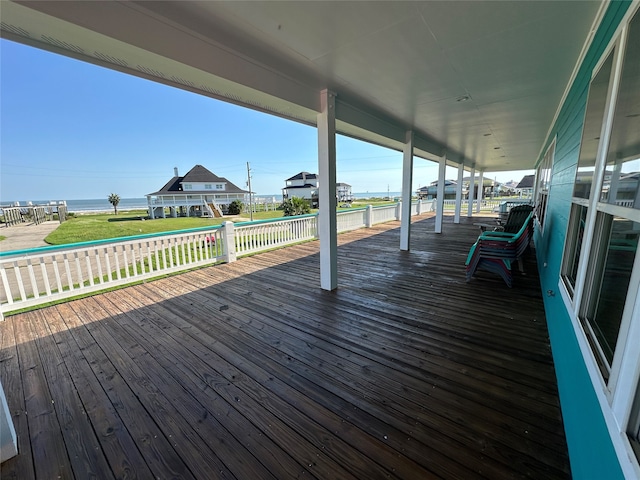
[546, 163]
[617, 398]
[617, 430]
[605, 134]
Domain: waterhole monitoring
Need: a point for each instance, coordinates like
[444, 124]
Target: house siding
[590, 448]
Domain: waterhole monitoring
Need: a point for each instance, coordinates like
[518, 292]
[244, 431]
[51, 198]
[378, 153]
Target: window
[219, 186]
[608, 277]
[207, 186]
[634, 425]
[573, 248]
[544, 181]
[598, 91]
[601, 270]
[188, 186]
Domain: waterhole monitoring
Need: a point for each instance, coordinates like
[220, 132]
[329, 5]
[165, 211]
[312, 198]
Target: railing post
[369, 217]
[419, 207]
[399, 211]
[229, 242]
[8, 442]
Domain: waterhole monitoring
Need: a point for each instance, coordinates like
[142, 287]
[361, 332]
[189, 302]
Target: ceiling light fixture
[463, 98]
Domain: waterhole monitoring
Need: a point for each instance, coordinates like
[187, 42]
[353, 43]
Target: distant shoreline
[101, 205]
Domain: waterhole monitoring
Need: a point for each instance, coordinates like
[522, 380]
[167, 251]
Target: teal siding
[590, 449]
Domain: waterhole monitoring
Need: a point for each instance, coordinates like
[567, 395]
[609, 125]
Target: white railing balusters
[45, 277]
[5, 283]
[89, 270]
[92, 266]
[32, 278]
[56, 272]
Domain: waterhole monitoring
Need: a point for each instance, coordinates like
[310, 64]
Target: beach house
[199, 193]
[305, 185]
[302, 185]
[406, 371]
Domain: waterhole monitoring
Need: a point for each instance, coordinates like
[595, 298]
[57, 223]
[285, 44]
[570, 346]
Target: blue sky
[72, 130]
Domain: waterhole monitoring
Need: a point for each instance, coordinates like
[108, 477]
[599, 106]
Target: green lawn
[85, 228]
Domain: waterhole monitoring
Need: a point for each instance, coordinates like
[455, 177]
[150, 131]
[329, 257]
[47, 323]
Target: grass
[2, 237]
[85, 228]
[99, 226]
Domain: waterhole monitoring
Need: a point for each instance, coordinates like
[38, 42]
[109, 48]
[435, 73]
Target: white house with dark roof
[302, 185]
[305, 185]
[199, 193]
[343, 192]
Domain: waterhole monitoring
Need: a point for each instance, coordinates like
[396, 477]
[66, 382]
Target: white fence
[261, 235]
[40, 275]
[46, 274]
[486, 205]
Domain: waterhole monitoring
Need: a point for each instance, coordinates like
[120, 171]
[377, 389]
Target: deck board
[249, 371]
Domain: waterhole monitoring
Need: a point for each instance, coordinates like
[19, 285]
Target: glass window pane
[574, 244]
[613, 254]
[591, 131]
[622, 176]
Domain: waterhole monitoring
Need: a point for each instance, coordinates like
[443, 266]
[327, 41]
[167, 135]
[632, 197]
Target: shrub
[295, 206]
[236, 207]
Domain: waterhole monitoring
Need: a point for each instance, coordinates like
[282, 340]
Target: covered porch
[248, 370]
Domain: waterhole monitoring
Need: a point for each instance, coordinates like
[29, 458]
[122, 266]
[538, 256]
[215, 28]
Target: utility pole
[249, 184]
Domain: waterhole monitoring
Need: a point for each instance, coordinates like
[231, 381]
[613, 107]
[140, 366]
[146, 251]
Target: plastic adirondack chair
[517, 216]
[496, 251]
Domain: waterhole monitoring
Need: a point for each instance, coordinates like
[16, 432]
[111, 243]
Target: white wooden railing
[261, 235]
[46, 274]
[486, 205]
[353, 219]
[41, 275]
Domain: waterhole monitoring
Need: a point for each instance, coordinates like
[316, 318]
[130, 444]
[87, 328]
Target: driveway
[26, 235]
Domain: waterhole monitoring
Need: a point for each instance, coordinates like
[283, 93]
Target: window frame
[543, 184]
[619, 395]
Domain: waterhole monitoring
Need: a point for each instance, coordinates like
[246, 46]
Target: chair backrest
[517, 217]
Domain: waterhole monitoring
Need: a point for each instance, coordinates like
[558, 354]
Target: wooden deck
[249, 371]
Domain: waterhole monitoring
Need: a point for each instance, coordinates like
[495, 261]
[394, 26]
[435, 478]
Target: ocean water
[102, 204]
[91, 204]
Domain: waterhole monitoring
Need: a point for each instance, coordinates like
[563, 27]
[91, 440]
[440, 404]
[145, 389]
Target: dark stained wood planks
[249, 370]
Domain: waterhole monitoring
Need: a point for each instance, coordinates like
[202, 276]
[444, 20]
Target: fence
[486, 205]
[45, 274]
[40, 275]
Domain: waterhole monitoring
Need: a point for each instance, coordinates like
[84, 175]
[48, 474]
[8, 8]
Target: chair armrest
[471, 252]
[498, 235]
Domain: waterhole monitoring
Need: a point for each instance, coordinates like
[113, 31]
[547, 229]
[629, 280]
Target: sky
[72, 130]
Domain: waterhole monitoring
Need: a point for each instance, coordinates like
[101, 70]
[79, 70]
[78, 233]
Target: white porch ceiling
[393, 65]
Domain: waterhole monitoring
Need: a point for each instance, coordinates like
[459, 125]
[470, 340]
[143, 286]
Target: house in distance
[199, 193]
[305, 185]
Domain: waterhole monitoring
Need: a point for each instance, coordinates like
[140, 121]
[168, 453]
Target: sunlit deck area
[249, 370]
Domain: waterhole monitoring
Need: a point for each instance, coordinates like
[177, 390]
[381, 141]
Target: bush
[236, 207]
[295, 206]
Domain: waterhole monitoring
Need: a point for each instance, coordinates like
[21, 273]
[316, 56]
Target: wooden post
[456, 217]
[480, 190]
[442, 166]
[229, 242]
[472, 175]
[327, 221]
[407, 182]
[8, 440]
